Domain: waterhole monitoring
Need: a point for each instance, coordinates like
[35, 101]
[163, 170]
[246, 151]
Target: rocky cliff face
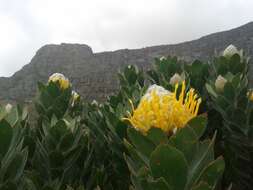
[93, 74]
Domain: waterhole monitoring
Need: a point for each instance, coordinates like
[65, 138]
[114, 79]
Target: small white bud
[162, 58]
[75, 95]
[231, 50]
[94, 103]
[8, 108]
[220, 83]
[174, 130]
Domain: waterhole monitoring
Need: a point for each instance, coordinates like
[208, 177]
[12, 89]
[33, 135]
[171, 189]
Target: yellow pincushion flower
[163, 109]
[63, 81]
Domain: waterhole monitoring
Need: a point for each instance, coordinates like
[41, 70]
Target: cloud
[109, 25]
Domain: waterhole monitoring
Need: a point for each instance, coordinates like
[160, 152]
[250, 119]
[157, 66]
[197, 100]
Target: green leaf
[59, 130]
[160, 184]
[235, 65]
[130, 74]
[142, 143]
[186, 141]
[66, 142]
[213, 172]
[6, 133]
[210, 90]
[202, 186]
[229, 91]
[9, 186]
[16, 167]
[56, 159]
[53, 89]
[133, 166]
[12, 117]
[157, 136]
[169, 163]
[198, 124]
[196, 67]
[204, 156]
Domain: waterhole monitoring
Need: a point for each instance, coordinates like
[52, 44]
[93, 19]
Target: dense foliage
[178, 126]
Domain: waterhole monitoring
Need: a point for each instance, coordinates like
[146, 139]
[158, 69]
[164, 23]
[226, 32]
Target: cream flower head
[58, 77]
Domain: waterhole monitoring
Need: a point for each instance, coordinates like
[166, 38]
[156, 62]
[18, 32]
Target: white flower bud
[231, 50]
[220, 83]
[94, 103]
[75, 95]
[162, 58]
[174, 130]
[8, 108]
[175, 79]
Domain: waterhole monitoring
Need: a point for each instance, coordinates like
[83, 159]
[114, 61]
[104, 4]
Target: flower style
[63, 81]
[176, 78]
[162, 109]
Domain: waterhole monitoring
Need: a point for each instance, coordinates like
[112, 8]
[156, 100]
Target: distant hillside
[93, 74]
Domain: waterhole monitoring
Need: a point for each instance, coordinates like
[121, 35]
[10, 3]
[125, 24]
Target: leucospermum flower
[162, 109]
[63, 81]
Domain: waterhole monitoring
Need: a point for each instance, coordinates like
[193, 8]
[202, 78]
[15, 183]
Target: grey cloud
[112, 24]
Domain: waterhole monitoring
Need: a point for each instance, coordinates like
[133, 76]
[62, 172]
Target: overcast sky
[105, 25]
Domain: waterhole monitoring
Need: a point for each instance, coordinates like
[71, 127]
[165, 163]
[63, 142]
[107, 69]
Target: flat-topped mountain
[93, 74]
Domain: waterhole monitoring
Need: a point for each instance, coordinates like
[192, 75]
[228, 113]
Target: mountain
[93, 74]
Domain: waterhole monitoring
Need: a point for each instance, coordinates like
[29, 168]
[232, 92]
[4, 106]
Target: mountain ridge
[94, 74]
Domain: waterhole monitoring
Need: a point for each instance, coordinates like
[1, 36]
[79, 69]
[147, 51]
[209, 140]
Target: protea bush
[177, 126]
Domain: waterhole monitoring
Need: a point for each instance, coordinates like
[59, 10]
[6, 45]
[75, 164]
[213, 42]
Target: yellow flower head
[63, 81]
[165, 110]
